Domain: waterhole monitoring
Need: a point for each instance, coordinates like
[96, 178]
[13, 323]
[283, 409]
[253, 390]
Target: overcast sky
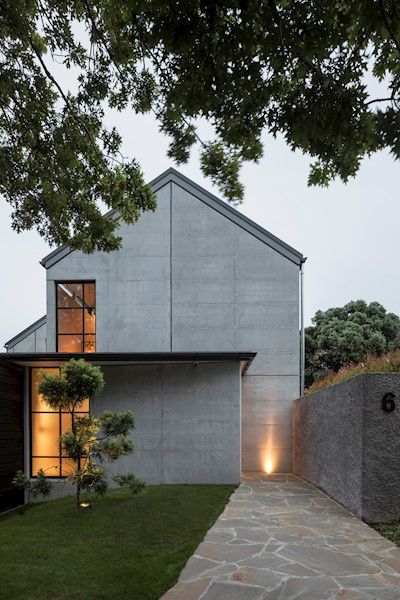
[350, 233]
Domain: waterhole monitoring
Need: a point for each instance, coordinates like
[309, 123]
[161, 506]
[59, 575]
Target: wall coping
[345, 381]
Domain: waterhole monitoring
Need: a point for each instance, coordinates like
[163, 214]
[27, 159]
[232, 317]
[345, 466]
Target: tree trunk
[78, 486]
[78, 482]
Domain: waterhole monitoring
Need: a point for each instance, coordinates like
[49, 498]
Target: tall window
[47, 426]
[76, 316]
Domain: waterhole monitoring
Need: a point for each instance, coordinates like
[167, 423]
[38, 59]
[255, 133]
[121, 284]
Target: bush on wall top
[348, 334]
[387, 363]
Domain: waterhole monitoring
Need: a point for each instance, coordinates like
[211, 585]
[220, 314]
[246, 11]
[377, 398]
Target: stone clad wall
[346, 444]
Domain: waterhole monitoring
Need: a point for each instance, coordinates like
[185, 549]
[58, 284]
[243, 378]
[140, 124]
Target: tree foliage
[91, 440]
[348, 334]
[292, 67]
[40, 486]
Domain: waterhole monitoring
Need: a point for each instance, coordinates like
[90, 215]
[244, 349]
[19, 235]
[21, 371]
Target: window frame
[81, 333]
[59, 414]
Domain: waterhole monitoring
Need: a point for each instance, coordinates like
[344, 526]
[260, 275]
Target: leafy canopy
[348, 334]
[77, 381]
[292, 67]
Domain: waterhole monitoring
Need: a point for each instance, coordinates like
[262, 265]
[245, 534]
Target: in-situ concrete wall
[35, 341]
[187, 278]
[187, 426]
[187, 420]
[346, 444]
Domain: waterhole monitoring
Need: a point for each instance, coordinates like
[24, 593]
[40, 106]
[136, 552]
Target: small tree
[91, 440]
[40, 486]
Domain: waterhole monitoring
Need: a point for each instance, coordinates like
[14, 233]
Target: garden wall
[346, 441]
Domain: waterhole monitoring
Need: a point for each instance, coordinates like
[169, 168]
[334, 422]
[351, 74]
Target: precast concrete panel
[187, 420]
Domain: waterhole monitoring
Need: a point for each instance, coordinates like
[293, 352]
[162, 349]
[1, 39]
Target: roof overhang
[45, 359]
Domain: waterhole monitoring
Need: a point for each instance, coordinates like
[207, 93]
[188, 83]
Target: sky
[349, 233]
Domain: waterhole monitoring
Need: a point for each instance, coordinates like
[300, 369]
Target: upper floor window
[76, 316]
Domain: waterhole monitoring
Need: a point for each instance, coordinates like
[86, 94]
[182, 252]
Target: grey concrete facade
[32, 339]
[187, 420]
[195, 275]
[346, 444]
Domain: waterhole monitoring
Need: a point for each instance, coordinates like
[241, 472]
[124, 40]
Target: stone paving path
[280, 538]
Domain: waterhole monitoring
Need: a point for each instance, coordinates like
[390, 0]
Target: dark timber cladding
[11, 433]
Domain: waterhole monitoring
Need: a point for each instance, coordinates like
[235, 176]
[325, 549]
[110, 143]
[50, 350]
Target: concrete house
[196, 322]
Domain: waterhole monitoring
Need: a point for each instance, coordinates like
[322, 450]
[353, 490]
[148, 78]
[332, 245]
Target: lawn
[390, 530]
[124, 547]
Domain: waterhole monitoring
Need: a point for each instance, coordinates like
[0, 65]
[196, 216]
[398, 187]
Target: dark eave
[174, 176]
[101, 358]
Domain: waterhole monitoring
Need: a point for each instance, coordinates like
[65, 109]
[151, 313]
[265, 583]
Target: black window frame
[81, 333]
[60, 413]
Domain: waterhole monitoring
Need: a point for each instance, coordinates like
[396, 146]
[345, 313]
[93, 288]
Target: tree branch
[68, 104]
[379, 100]
[388, 26]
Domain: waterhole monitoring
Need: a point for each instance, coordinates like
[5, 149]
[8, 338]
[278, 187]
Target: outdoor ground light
[268, 466]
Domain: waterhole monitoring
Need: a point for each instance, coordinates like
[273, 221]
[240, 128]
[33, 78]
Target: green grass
[391, 531]
[125, 547]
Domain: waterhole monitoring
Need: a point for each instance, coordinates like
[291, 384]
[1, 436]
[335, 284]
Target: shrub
[387, 363]
[349, 334]
[40, 486]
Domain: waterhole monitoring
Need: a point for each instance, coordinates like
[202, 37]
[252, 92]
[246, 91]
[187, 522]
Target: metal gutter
[302, 339]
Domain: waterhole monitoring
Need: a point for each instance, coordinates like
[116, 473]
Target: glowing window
[76, 316]
[46, 427]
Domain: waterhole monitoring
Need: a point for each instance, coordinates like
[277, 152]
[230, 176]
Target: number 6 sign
[388, 403]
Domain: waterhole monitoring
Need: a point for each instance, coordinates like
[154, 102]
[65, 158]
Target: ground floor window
[47, 426]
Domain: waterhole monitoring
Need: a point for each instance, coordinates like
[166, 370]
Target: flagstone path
[280, 538]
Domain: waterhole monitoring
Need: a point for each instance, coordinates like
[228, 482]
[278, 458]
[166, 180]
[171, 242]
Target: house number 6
[388, 403]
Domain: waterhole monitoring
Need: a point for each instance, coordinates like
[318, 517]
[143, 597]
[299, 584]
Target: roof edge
[222, 356]
[236, 216]
[174, 176]
[25, 332]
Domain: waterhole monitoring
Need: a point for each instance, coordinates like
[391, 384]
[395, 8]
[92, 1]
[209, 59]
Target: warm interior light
[268, 466]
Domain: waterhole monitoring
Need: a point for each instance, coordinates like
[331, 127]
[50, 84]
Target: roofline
[129, 357]
[25, 332]
[234, 215]
[174, 176]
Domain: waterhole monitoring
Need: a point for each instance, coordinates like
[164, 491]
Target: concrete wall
[132, 286]
[188, 278]
[346, 444]
[187, 422]
[33, 342]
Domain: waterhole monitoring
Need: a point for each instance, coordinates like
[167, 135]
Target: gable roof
[173, 176]
[25, 332]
